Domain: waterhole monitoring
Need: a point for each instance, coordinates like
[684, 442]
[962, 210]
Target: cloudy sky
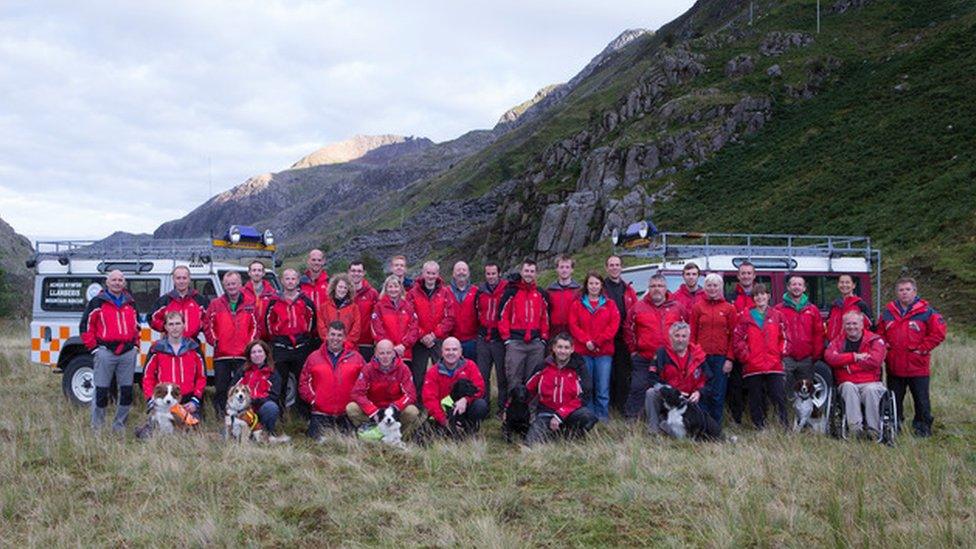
[117, 115]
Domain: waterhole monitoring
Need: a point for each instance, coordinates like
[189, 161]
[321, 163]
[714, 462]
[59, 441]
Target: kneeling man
[385, 381]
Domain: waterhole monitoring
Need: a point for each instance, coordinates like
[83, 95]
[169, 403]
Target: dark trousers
[225, 369]
[575, 425]
[461, 426]
[318, 424]
[289, 362]
[919, 386]
[418, 366]
[717, 381]
[491, 354]
[640, 382]
[765, 388]
[734, 392]
[367, 352]
[620, 373]
[469, 349]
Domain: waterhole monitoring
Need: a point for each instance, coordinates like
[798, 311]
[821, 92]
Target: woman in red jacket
[262, 379]
[759, 345]
[712, 327]
[340, 306]
[393, 318]
[593, 323]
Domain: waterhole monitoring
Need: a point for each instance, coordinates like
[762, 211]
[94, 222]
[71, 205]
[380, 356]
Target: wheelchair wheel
[889, 419]
[837, 421]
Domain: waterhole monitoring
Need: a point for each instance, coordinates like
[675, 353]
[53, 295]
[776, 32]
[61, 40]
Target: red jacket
[318, 289]
[264, 383]
[911, 337]
[741, 300]
[525, 312]
[848, 370]
[227, 331]
[435, 314]
[465, 312]
[488, 309]
[184, 367]
[193, 306]
[686, 298]
[760, 350]
[366, 298]
[560, 390]
[348, 314]
[106, 323]
[561, 299]
[647, 325]
[439, 381]
[686, 374]
[261, 303]
[398, 323]
[840, 307]
[713, 326]
[327, 385]
[377, 388]
[803, 330]
[290, 323]
[598, 324]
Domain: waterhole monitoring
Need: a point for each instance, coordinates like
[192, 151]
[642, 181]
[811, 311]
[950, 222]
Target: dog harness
[251, 419]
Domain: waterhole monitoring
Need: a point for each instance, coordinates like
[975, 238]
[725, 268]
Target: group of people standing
[428, 347]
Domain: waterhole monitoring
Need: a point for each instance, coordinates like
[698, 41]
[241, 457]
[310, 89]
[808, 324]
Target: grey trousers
[866, 394]
[520, 359]
[122, 368]
[492, 354]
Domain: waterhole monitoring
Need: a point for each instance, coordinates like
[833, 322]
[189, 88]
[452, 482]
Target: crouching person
[856, 357]
[260, 376]
[561, 391]
[174, 359]
[454, 393]
[679, 381]
[385, 381]
[327, 380]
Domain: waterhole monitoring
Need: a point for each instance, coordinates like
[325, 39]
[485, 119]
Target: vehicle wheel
[823, 395]
[78, 380]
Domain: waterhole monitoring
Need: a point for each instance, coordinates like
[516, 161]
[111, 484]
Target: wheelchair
[888, 415]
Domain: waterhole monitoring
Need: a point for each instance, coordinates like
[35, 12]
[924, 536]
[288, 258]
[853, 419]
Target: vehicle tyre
[78, 380]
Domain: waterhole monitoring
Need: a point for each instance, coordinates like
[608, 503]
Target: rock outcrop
[777, 43]
[18, 281]
[366, 148]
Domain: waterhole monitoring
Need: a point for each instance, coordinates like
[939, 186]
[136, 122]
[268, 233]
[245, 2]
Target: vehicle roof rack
[202, 250]
[678, 245]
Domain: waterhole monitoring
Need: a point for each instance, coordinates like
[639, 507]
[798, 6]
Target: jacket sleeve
[446, 323]
[405, 379]
[576, 325]
[817, 336]
[740, 340]
[868, 316]
[935, 333]
[274, 393]
[200, 374]
[208, 324]
[505, 315]
[150, 375]
[876, 355]
[544, 315]
[730, 320]
[91, 321]
[359, 396]
[586, 383]
[306, 390]
[253, 318]
[703, 386]
[566, 409]
[479, 381]
[312, 319]
[431, 402]
[352, 338]
[835, 358]
[656, 368]
[322, 321]
[630, 333]
[157, 316]
[412, 334]
[376, 325]
[693, 318]
[532, 385]
[609, 330]
[269, 318]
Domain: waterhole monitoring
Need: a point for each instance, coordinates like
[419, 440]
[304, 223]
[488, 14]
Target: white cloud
[109, 112]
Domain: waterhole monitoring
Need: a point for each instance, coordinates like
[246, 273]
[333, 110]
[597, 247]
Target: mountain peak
[353, 148]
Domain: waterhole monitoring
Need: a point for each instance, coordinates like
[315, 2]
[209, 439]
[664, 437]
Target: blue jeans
[599, 368]
[717, 382]
[268, 415]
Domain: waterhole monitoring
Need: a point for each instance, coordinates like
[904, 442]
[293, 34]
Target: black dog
[517, 414]
[687, 419]
[464, 388]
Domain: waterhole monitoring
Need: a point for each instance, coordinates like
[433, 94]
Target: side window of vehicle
[730, 282]
[823, 290]
[145, 291]
[205, 287]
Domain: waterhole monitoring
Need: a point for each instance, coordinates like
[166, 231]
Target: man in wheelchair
[856, 356]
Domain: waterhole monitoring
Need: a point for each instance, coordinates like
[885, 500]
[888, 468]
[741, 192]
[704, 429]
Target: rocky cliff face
[18, 282]
[373, 149]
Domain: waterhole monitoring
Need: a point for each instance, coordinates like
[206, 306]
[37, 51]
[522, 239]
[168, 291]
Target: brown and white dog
[161, 419]
[240, 422]
[803, 404]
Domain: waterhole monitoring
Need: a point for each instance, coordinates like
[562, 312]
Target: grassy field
[61, 485]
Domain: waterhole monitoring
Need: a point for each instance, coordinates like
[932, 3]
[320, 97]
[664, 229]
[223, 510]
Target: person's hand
[428, 340]
[858, 357]
[190, 407]
[554, 423]
[460, 406]
[399, 350]
[727, 367]
[590, 346]
[693, 397]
